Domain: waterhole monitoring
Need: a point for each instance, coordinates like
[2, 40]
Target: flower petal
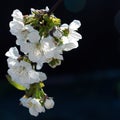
[33, 112]
[17, 15]
[13, 53]
[64, 26]
[74, 25]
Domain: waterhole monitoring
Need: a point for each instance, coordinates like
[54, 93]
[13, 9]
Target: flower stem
[55, 6]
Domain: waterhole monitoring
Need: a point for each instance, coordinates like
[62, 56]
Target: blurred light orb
[117, 21]
[74, 5]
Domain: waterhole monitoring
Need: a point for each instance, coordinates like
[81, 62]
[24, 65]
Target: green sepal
[54, 62]
[65, 32]
[16, 85]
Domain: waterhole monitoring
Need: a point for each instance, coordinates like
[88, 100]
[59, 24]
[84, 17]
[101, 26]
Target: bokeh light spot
[74, 5]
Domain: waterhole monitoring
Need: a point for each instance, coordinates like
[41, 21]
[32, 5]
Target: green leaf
[16, 85]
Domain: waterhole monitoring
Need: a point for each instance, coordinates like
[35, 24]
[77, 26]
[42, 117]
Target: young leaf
[16, 85]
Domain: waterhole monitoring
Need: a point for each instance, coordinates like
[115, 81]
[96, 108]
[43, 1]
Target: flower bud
[49, 103]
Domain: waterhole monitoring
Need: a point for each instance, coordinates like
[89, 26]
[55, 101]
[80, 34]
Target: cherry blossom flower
[21, 71]
[71, 40]
[33, 104]
[23, 74]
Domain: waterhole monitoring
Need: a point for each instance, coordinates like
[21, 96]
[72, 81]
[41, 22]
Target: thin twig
[55, 6]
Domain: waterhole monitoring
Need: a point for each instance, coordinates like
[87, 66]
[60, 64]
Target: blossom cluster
[41, 39]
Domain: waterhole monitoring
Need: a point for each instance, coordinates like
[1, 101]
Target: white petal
[39, 66]
[24, 102]
[75, 35]
[29, 28]
[32, 10]
[33, 112]
[17, 15]
[75, 24]
[42, 76]
[39, 108]
[70, 46]
[34, 76]
[47, 9]
[37, 105]
[20, 39]
[26, 65]
[58, 56]
[64, 26]
[12, 74]
[16, 27]
[49, 103]
[26, 85]
[11, 62]
[65, 40]
[35, 55]
[13, 53]
[34, 36]
[24, 47]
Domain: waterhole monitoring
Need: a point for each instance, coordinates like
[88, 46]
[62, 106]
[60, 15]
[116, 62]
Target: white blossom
[22, 32]
[16, 27]
[41, 51]
[33, 105]
[49, 103]
[71, 41]
[23, 74]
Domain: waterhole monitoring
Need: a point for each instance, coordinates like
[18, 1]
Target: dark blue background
[87, 84]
